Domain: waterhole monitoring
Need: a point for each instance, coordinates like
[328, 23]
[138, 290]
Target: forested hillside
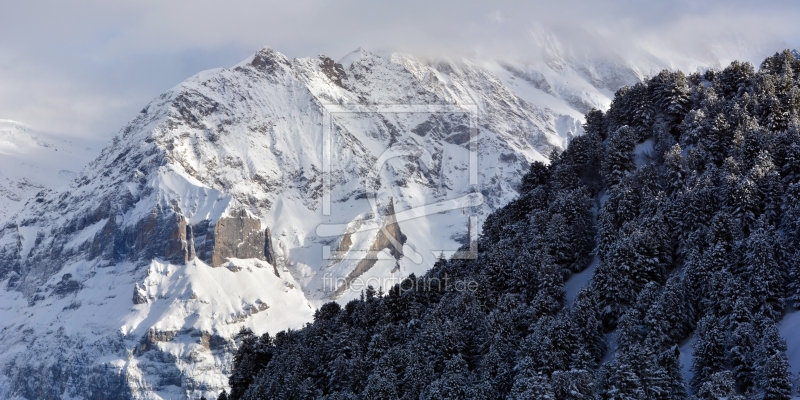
[683, 200]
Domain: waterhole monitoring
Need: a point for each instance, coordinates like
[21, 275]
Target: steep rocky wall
[269, 251]
[171, 238]
[167, 235]
[236, 236]
[161, 234]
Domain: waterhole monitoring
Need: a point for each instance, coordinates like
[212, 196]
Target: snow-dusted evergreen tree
[452, 384]
[619, 156]
[619, 380]
[765, 269]
[709, 351]
[382, 383]
[670, 319]
[743, 343]
[576, 384]
[774, 380]
[587, 319]
[720, 385]
[529, 383]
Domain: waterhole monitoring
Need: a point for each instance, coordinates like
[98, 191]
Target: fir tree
[709, 351]
[775, 382]
[575, 384]
[765, 269]
[530, 384]
[619, 156]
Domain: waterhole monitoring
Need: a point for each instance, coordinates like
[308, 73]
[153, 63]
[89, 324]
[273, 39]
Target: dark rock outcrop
[66, 286]
[269, 251]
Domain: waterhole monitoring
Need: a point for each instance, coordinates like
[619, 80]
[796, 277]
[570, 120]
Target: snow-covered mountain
[248, 196]
[32, 161]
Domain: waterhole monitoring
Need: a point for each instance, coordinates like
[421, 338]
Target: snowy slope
[212, 205]
[31, 161]
[177, 340]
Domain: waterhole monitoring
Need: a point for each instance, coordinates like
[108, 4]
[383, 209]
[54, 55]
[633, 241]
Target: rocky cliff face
[215, 205]
[237, 236]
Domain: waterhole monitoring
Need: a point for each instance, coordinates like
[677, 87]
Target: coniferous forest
[682, 202]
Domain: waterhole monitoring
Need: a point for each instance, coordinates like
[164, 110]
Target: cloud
[86, 67]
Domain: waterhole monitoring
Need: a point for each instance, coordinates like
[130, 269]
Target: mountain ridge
[192, 184]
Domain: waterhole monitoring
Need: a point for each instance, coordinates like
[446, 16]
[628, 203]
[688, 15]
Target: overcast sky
[87, 67]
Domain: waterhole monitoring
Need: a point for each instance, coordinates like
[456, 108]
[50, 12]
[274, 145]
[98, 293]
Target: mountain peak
[354, 56]
[266, 59]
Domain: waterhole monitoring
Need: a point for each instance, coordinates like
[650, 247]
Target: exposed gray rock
[153, 337]
[237, 236]
[139, 295]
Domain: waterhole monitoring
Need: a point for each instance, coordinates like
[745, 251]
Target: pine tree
[765, 269]
[670, 319]
[576, 384]
[595, 123]
[538, 175]
[720, 385]
[253, 355]
[497, 370]
[676, 169]
[620, 381]
[775, 381]
[674, 385]
[569, 234]
[709, 351]
[588, 325]
[452, 384]
[768, 185]
[417, 374]
[742, 354]
[734, 79]
[670, 93]
[382, 383]
[619, 156]
[790, 220]
[530, 384]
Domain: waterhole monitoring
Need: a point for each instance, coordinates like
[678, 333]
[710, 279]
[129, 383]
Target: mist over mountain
[85, 69]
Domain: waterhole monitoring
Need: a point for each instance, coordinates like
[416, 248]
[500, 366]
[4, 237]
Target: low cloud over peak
[85, 68]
